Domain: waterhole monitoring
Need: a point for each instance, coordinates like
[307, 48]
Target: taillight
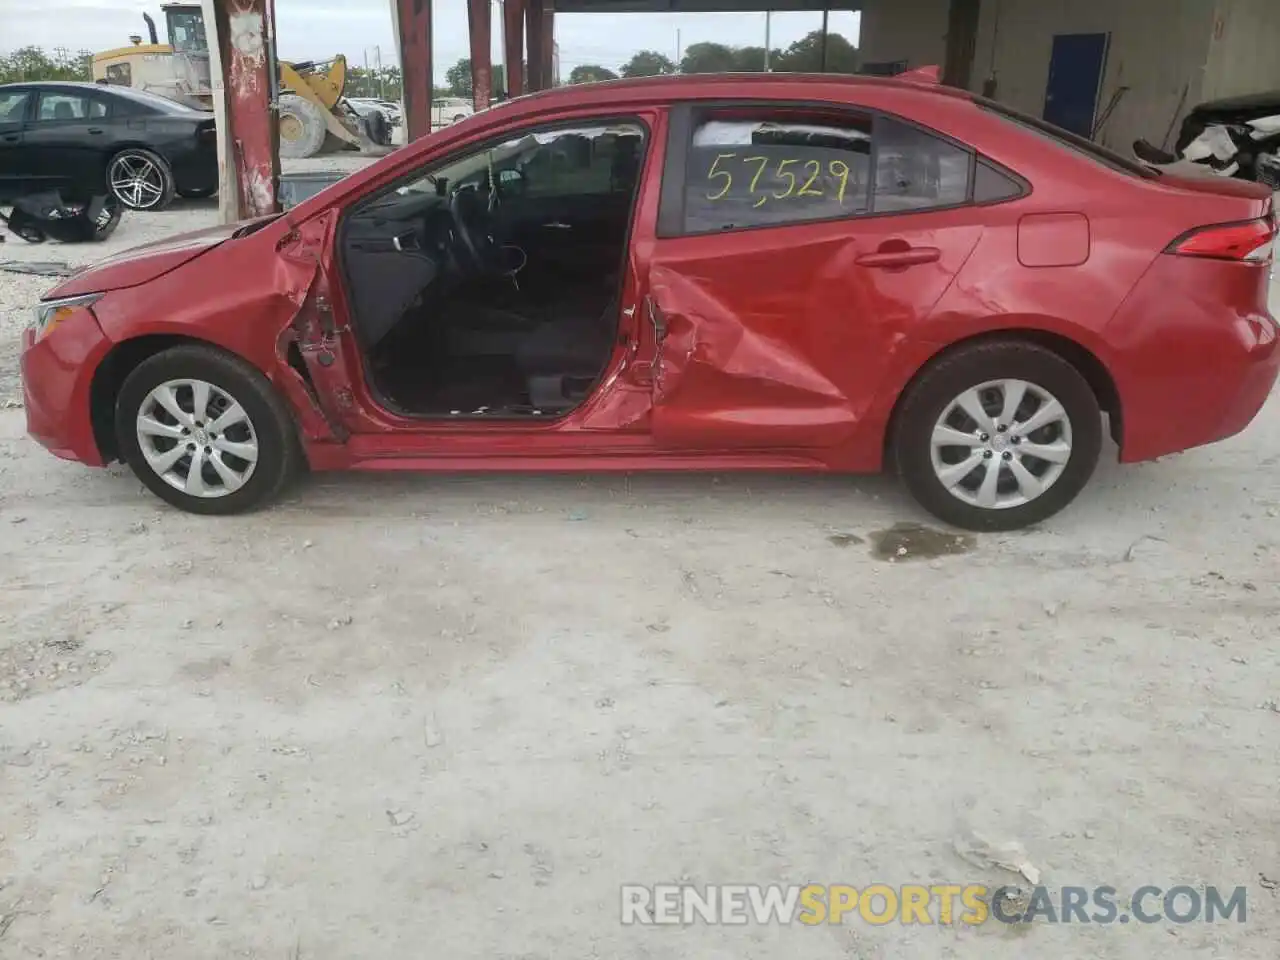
[1250, 241]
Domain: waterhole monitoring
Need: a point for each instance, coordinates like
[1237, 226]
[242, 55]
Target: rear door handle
[95, 130]
[910, 257]
[557, 225]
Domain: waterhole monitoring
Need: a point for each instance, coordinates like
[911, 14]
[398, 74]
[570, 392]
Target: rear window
[1069, 140]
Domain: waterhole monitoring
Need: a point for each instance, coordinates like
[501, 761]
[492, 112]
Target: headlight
[50, 313]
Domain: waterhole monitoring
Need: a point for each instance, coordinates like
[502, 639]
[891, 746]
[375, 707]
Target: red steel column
[478, 20]
[412, 25]
[548, 44]
[513, 35]
[534, 25]
[245, 32]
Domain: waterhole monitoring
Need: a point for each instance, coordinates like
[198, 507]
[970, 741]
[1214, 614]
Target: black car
[1231, 112]
[84, 139]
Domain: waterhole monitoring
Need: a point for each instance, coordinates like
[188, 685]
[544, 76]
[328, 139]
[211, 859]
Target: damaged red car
[687, 273]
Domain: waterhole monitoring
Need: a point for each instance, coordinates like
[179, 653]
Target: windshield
[186, 31]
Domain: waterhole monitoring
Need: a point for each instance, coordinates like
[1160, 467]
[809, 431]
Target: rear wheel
[998, 435]
[302, 127]
[205, 431]
[140, 179]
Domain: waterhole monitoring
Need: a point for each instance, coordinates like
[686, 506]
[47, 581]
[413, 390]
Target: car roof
[70, 84]
[106, 89]
[736, 85]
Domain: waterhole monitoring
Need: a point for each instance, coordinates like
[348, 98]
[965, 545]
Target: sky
[318, 29]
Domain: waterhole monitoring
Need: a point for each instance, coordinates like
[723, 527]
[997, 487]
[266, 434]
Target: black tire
[162, 183]
[279, 457]
[302, 127]
[937, 387]
[196, 193]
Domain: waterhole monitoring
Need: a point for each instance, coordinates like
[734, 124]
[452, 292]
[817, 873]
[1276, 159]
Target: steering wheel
[476, 249]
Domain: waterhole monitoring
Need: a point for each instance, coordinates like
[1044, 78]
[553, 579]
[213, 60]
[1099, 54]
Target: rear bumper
[196, 169]
[1197, 355]
[57, 373]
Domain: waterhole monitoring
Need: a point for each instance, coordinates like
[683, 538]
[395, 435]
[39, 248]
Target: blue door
[1075, 76]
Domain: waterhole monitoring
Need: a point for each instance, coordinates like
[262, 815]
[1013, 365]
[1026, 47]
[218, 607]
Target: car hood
[140, 264]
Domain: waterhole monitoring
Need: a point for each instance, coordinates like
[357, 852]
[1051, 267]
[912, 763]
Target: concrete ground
[404, 716]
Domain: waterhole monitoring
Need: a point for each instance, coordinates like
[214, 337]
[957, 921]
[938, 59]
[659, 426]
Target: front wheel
[998, 435]
[205, 431]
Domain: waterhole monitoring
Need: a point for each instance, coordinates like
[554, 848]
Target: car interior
[489, 287]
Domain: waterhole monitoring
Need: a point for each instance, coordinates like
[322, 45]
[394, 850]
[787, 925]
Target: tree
[708, 58]
[751, 59]
[590, 73]
[648, 63]
[458, 77]
[32, 63]
[805, 55]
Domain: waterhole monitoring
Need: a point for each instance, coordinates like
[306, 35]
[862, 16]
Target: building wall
[1243, 56]
[911, 30]
[1159, 50]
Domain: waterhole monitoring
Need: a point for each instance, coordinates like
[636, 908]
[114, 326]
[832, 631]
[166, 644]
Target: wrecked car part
[47, 216]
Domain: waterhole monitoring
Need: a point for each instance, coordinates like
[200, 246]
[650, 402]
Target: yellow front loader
[316, 118]
[314, 115]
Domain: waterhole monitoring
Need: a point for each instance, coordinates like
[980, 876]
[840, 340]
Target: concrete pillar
[513, 38]
[478, 20]
[411, 24]
[243, 73]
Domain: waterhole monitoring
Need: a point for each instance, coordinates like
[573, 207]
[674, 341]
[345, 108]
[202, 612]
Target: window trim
[683, 119]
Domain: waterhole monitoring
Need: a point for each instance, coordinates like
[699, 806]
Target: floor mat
[464, 387]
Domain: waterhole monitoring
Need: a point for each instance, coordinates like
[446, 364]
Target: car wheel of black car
[997, 435]
[140, 179]
[205, 431]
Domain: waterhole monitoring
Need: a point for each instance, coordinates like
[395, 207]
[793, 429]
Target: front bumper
[57, 374]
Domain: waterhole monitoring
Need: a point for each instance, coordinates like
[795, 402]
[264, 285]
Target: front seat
[62, 111]
[573, 347]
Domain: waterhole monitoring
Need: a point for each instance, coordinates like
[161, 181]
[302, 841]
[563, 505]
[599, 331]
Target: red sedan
[690, 273]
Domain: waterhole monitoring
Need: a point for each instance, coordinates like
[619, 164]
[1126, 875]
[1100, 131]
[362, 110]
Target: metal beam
[535, 25]
[513, 40]
[704, 6]
[411, 24]
[243, 34]
[479, 24]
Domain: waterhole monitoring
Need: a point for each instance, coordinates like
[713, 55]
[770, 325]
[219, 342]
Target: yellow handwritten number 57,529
[812, 170]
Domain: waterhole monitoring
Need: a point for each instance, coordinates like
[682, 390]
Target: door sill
[640, 460]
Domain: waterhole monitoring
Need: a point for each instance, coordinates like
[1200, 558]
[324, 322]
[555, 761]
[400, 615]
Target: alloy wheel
[137, 181]
[197, 438]
[1001, 444]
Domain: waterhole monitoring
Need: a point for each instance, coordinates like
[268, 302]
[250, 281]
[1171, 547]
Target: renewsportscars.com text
[942, 904]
